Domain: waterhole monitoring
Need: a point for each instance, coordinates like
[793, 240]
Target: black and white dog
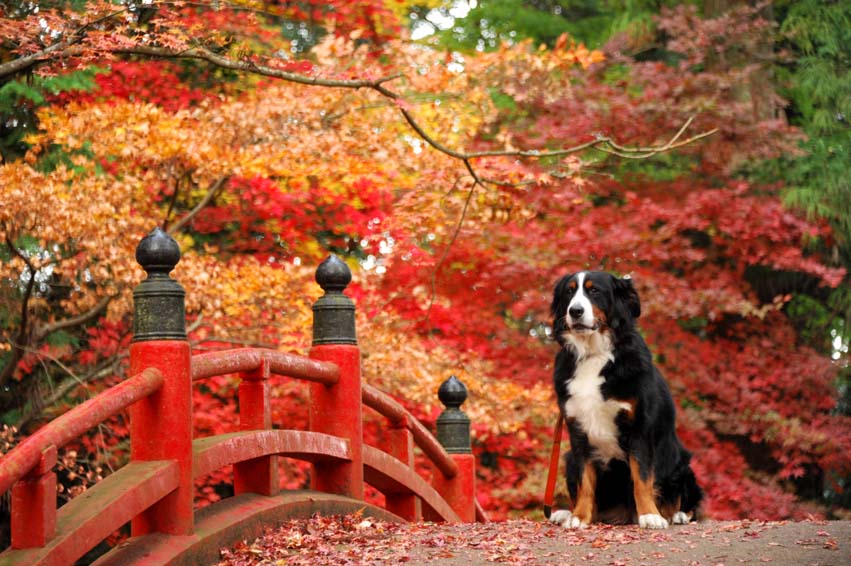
[625, 463]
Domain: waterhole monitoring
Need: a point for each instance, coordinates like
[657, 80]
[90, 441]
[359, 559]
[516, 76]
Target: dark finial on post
[453, 425]
[334, 312]
[159, 312]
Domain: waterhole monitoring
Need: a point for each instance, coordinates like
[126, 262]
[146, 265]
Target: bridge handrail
[385, 405]
[222, 362]
[26, 455]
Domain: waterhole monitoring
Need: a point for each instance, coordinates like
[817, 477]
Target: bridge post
[33, 519]
[259, 475]
[336, 409]
[401, 446]
[453, 432]
[161, 425]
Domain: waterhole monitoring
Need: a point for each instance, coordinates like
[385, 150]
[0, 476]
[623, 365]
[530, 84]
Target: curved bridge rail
[155, 491]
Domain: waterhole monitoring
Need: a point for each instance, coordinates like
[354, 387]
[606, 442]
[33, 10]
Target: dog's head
[592, 302]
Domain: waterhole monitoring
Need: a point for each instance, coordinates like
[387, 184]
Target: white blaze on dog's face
[580, 311]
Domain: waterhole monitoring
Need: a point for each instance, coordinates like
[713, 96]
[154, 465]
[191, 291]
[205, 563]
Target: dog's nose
[576, 311]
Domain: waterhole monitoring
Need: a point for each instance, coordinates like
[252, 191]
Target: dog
[626, 463]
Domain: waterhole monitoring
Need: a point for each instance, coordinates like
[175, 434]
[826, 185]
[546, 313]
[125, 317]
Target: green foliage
[819, 184]
[591, 22]
[35, 88]
[819, 34]
[20, 99]
[62, 338]
[665, 167]
[502, 101]
[812, 318]
[57, 155]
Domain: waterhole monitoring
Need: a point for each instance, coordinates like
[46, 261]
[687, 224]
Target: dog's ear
[627, 305]
[558, 308]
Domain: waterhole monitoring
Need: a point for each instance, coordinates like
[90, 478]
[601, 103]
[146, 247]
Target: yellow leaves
[84, 216]
[245, 300]
[580, 55]
[571, 53]
[138, 134]
[398, 361]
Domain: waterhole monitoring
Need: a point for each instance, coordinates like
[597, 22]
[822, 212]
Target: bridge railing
[155, 491]
[28, 468]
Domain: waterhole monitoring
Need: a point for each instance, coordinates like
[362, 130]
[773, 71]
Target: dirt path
[362, 541]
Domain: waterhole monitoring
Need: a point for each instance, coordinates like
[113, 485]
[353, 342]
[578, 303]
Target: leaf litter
[358, 540]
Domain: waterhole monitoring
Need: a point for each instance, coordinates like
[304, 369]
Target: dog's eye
[593, 291]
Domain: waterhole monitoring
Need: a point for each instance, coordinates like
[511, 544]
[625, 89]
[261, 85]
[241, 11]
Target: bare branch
[21, 64]
[195, 324]
[214, 188]
[46, 329]
[20, 341]
[604, 144]
[109, 366]
[252, 67]
[645, 152]
[448, 246]
[62, 48]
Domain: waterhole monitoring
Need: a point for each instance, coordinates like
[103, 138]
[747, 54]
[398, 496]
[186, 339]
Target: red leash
[549, 492]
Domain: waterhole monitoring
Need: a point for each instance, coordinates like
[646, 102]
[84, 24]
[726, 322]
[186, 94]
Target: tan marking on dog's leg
[645, 498]
[585, 500]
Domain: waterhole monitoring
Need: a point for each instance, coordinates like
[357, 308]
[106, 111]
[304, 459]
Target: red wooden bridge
[155, 490]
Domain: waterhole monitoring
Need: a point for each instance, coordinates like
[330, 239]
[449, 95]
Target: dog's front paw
[567, 520]
[680, 518]
[652, 521]
[561, 517]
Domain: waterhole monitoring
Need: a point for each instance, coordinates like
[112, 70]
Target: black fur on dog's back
[648, 432]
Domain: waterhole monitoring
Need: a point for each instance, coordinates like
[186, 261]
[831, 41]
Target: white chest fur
[595, 415]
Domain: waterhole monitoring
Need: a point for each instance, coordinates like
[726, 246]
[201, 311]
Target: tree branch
[645, 152]
[26, 62]
[214, 188]
[108, 367]
[252, 67]
[62, 48]
[446, 249]
[47, 329]
[19, 343]
[600, 143]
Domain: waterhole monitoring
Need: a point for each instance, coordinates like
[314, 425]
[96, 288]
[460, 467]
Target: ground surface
[362, 541]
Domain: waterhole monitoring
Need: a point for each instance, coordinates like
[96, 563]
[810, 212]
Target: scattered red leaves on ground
[356, 539]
